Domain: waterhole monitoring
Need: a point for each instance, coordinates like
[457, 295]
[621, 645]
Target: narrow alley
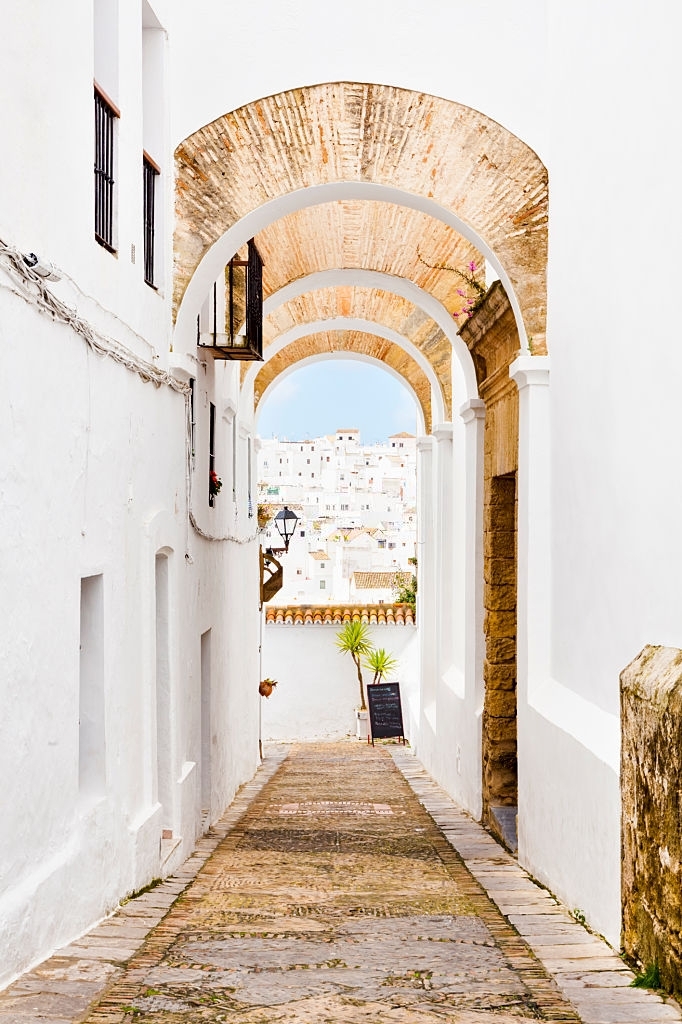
[342, 885]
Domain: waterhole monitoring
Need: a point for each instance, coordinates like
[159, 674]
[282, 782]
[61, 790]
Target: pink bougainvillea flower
[460, 292]
[472, 267]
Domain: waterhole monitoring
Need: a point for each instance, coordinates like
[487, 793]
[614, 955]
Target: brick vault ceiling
[334, 134]
[374, 236]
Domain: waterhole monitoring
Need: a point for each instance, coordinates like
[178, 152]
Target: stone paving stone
[326, 894]
[585, 968]
[81, 971]
[335, 898]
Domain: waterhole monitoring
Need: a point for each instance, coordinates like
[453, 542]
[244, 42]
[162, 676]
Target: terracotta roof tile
[338, 615]
[380, 580]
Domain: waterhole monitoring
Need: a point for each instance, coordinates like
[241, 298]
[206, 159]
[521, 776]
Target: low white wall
[318, 690]
[569, 821]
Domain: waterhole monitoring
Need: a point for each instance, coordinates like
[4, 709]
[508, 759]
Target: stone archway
[442, 154]
[287, 161]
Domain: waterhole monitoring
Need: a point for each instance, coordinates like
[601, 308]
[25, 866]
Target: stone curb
[588, 973]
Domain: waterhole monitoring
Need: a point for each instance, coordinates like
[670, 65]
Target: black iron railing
[105, 116]
[254, 300]
[150, 173]
[244, 307]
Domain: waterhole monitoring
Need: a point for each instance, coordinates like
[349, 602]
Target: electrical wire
[32, 288]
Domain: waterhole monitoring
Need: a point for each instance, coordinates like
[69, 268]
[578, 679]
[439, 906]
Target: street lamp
[286, 521]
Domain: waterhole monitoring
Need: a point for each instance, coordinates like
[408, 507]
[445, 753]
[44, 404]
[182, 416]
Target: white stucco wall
[93, 480]
[317, 686]
[93, 461]
[458, 50]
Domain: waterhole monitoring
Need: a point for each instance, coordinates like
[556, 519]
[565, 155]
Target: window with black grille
[211, 454]
[150, 173]
[105, 138]
[242, 334]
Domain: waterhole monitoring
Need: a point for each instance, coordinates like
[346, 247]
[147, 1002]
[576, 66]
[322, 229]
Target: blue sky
[321, 397]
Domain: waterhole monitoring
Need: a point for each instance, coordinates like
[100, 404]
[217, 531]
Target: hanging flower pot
[266, 687]
[214, 483]
[264, 515]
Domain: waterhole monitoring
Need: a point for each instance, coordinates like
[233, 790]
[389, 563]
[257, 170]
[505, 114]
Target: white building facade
[356, 506]
[129, 597]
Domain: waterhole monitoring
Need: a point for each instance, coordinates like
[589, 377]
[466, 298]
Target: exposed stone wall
[493, 341]
[499, 669]
[651, 786]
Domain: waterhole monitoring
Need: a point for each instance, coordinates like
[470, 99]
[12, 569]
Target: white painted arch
[464, 386]
[349, 323]
[219, 254]
[360, 357]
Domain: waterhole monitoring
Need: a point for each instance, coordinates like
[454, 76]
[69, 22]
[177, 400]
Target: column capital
[425, 444]
[530, 370]
[442, 431]
[474, 409]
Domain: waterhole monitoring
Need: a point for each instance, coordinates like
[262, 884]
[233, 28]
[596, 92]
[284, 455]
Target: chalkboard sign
[385, 712]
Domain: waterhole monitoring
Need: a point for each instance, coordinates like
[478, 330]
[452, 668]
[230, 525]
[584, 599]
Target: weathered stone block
[501, 598]
[501, 516]
[500, 624]
[500, 571]
[499, 650]
[499, 544]
[501, 703]
[651, 788]
[499, 729]
[499, 676]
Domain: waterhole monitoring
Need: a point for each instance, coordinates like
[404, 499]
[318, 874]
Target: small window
[321, 565]
[299, 572]
[150, 173]
[211, 454]
[323, 584]
[105, 137]
[192, 422]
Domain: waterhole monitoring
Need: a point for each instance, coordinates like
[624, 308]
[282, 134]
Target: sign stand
[385, 711]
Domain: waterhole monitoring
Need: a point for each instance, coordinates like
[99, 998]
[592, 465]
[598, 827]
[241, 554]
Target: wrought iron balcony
[244, 308]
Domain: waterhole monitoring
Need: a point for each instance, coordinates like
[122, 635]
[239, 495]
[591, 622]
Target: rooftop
[339, 615]
[374, 580]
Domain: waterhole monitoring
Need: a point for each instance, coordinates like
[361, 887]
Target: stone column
[473, 416]
[427, 609]
[531, 374]
[444, 542]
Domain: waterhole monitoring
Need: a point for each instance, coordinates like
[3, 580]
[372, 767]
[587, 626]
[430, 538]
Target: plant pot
[362, 724]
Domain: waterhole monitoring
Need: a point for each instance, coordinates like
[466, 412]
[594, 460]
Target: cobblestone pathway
[334, 898]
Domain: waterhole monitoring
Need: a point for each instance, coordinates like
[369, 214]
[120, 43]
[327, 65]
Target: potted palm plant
[354, 639]
[381, 663]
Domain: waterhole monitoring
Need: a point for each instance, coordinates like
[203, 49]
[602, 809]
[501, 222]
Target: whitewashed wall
[317, 687]
[93, 468]
[584, 87]
[593, 90]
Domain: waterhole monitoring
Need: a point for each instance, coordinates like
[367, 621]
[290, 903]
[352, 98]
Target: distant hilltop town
[356, 539]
